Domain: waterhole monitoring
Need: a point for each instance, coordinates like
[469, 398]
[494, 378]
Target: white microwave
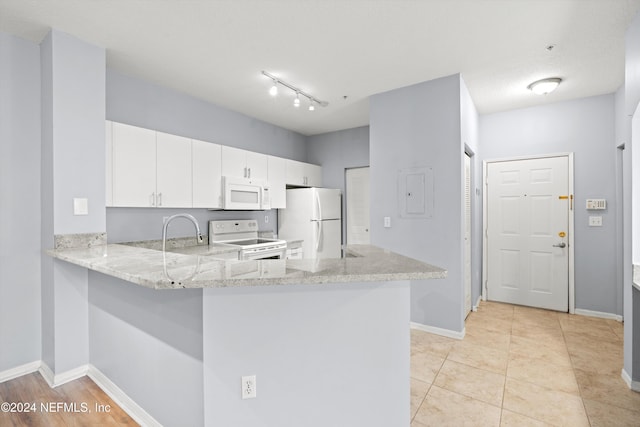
[245, 194]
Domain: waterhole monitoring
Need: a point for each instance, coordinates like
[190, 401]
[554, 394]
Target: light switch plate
[595, 221]
[80, 206]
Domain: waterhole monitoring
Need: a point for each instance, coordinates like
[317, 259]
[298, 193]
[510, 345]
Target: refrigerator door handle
[319, 234]
[318, 205]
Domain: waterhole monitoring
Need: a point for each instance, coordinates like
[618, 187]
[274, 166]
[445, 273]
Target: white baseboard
[600, 314]
[127, 404]
[19, 371]
[633, 385]
[475, 307]
[438, 331]
[55, 380]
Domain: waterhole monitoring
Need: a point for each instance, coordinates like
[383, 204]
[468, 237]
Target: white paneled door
[357, 190]
[528, 206]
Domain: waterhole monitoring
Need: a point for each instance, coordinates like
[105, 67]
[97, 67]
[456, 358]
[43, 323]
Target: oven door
[272, 253]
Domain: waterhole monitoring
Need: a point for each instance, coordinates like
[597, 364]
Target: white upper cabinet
[302, 174]
[277, 177]
[207, 174]
[149, 168]
[134, 166]
[108, 133]
[244, 164]
[173, 182]
[146, 168]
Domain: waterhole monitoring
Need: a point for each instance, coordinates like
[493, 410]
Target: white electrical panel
[596, 204]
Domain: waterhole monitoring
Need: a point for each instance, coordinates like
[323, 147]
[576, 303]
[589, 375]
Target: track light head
[274, 89]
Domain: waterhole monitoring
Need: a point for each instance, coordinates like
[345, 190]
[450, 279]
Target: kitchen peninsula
[174, 333]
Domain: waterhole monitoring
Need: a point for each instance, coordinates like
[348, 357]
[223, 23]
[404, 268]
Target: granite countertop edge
[170, 270]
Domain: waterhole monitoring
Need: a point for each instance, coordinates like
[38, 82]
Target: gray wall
[326, 355]
[420, 126]
[19, 202]
[632, 66]
[149, 343]
[337, 151]
[585, 127]
[140, 103]
[73, 165]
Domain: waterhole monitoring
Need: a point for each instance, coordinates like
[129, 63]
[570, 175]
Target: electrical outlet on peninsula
[249, 387]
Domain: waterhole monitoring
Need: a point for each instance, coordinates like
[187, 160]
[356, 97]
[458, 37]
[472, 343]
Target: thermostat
[596, 204]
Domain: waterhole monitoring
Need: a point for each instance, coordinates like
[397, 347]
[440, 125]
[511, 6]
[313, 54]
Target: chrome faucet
[171, 218]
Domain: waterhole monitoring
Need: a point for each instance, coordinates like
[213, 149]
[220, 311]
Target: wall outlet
[249, 387]
[266, 219]
[387, 222]
[595, 221]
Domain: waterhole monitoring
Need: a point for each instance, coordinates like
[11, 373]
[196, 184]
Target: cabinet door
[173, 184]
[257, 165]
[295, 172]
[207, 182]
[234, 162]
[313, 175]
[134, 166]
[109, 163]
[277, 182]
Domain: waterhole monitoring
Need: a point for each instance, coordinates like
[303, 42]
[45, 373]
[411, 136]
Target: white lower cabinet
[207, 176]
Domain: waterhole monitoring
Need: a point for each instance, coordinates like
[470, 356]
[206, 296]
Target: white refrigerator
[313, 215]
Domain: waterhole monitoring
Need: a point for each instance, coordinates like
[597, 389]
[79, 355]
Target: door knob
[560, 245]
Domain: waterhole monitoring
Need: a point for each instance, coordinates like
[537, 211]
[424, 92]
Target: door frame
[572, 207]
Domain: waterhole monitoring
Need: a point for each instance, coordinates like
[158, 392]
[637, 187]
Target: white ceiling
[216, 49]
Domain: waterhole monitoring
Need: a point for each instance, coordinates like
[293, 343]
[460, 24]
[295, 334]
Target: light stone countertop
[171, 270]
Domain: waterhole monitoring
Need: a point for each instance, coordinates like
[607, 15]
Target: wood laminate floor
[74, 404]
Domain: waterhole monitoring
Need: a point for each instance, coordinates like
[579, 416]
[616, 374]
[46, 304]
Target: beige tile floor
[520, 366]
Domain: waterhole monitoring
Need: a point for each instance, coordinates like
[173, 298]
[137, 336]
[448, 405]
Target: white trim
[127, 404]
[19, 371]
[599, 314]
[633, 385]
[55, 380]
[438, 331]
[475, 307]
[572, 284]
[46, 373]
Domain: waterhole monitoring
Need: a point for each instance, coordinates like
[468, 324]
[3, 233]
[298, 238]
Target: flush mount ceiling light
[273, 91]
[544, 86]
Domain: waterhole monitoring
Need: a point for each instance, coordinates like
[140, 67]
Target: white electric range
[243, 235]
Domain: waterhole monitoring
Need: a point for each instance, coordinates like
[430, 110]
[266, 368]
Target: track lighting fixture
[273, 91]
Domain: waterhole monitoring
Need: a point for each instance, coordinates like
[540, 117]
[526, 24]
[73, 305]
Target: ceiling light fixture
[296, 103]
[274, 89]
[544, 86]
[311, 106]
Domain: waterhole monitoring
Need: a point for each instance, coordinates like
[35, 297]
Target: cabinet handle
[159, 199]
[249, 175]
[152, 199]
[244, 175]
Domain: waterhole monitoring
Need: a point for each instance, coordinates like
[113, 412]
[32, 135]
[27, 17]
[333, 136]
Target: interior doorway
[528, 221]
[357, 196]
[467, 234]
